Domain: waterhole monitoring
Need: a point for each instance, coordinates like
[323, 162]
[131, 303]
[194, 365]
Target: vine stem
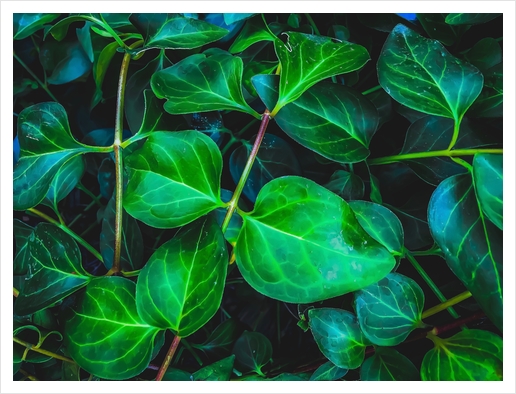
[43, 351]
[435, 153]
[28, 375]
[168, 358]
[445, 305]
[43, 85]
[245, 174]
[71, 233]
[373, 89]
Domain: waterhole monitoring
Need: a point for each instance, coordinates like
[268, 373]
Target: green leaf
[421, 74]
[471, 244]
[474, 355]
[22, 232]
[438, 29]
[230, 18]
[202, 83]
[330, 119]
[37, 337]
[469, 19]
[380, 223]
[105, 317]
[177, 375]
[55, 270]
[490, 102]
[84, 37]
[293, 221]
[218, 371]
[235, 223]
[488, 178]
[485, 54]
[173, 31]
[46, 144]
[338, 336]
[275, 158]
[307, 59]
[131, 256]
[252, 351]
[116, 21]
[221, 338]
[383, 21]
[388, 311]
[99, 70]
[328, 371]
[194, 265]
[346, 185]
[67, 177]
[388, 365]
[24, 25]
[383, 103]
[70, 62]
[173, 179]
[256, 68]
[254, 31]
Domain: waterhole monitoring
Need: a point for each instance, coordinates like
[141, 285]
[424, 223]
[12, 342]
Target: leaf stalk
[42, 351]
[168, 358]
[445, 305]
[436, 153]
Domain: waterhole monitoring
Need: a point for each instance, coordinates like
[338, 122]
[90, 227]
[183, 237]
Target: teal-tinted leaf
[194, 265]
[173, 179]
[174, 31]
[99, 70]
[346, 185]
[329, 371]
[338, 336]
[67, 177]
[307, 59]
[254, 31]
[471, 244]
[37, 337]
[490, 102]
[84, 36]
[235, 223]
[202, 83]
[436, 28]
[485, 54]
[131, 256]
[222, 338]
[389, 310]
[256, 68]
[218, 371]
[25, 25]
[55, 270]
[469, 19]
[105, 317]
[230, 18]
[488, 176]
[382, 22]
[380, 223]
[22, 232]
[106, 177]
[421, 74]
[177, 375]
[294, 20]
[383, 103]
[302, 244]
[388, 364]
[410, 114]
[275, 158]
[116, 21]
[252, 351]
[474, 355]
[71, 63]
[46, 143]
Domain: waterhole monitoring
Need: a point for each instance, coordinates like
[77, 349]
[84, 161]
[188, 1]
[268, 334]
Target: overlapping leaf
[252, 351]
[490, 102]
[436, 28]
[67, 177]
[488, 178]
[469, 19]
[388, 364]
[218, 371]
[328, 371]
[221, 338]
[485, 54]
[26, 24]
[235, 223]
[254, 31]
[22, 232]
[346, 185]
[50, 340]
[230, 18]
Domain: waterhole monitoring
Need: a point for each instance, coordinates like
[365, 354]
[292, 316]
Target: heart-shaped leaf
[469, 19]
[388, 311]
[421, 74]
[181, 285]
[22, 232]
[105, 317]
[338, 336]
[25, 25]
[388, 364]
[218, 371]
[254, 31]
[252, 351]
[173, 179]
[488, 177]
[67, 177]
[346, 185]
[328, 371]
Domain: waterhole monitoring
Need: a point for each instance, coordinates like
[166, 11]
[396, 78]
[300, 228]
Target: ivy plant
[258, 197]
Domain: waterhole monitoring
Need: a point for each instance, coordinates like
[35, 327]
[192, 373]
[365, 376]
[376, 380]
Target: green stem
[429, 281]
[28, 375]
[192, 351]
[43, 86]
[168, 358]
[445, 305]
[128, 274]
[108, 28]
[436, 153]
[245, 174]
[230, 143]
[244, 129]
[463, 163]
[42, 351]
[365, 92]
[63, 227]
[456, 128]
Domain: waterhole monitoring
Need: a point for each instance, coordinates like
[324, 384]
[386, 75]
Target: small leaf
[438, 29]
[230, 18]
[89, 331]
[254, 31]
[221, 338]
[488, 178]
[71, 62]
[84, 37]
[338, 336]
[485, 54]
[173, 179]
[469, 19]
[470, 355]
[194, 264]
[346, 185]
[24, 25]
[100, 67]
[67, 177]
[388, 311]
[388, 364]
[22, 232]
[252, 351]
[218, 371]
[328, 371]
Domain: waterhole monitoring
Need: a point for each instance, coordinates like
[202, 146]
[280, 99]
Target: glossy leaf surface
[436, 28]
[173, 179]
[222, 338]
[328, 371]
[346, 185]
[106, 318]
[315, 248]
[253, 31]
[181, 285]
[67, 177]
[469, 19]
[338, 336]
[488, 177]
[25, 25]
[218, 371]
[252, 350]
[230, 18]
[387, 364]
[22, 232]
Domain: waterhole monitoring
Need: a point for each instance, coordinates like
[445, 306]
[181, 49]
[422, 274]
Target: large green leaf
[388, 364]
[202, 82]
[46, 144]
[55, 270]
[346, 185]
[389, 310]
[252, 350]
[469, 355]
[105, 335]
[25, 25]
[307, 59]
[303, 244]
[218, 371]
[488, 177]
[328, 371]
[67, 177]
[469, 19]
[254, 31]
[338, 336]
[472, 245]
[181, 285]
[422, 75]
[22, 232]
[173, 179]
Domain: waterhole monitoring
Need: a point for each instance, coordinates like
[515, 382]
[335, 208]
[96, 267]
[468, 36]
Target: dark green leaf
[471, 244]
[37, 337]
[346, 185]
[254, 31]
[294, 20]
[383, 103]
[107, 177]
[194, 264]
[99, 70]
[410, 114]
[469, 19]
[173, 179]
[388, 364]
[70, 61]
[252, 351]
[67, 177]
[22, 232]
[218, 371]
[437, 28]
[256, 68]
[490, 102]
[488, 178]
[338, 336]
[328, 371]
[177, 375]
[221, 338]
[382, 22]
[297, 219]
[485, 54]
[421, 74]
[389, 310]
[71, 372]
[230, 18]
[60, 29]
[25, 25]
[105, 317]
[55, 270]
[474, 355]
[84, 36]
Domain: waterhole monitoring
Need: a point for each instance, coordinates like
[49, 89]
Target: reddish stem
[168, 358]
